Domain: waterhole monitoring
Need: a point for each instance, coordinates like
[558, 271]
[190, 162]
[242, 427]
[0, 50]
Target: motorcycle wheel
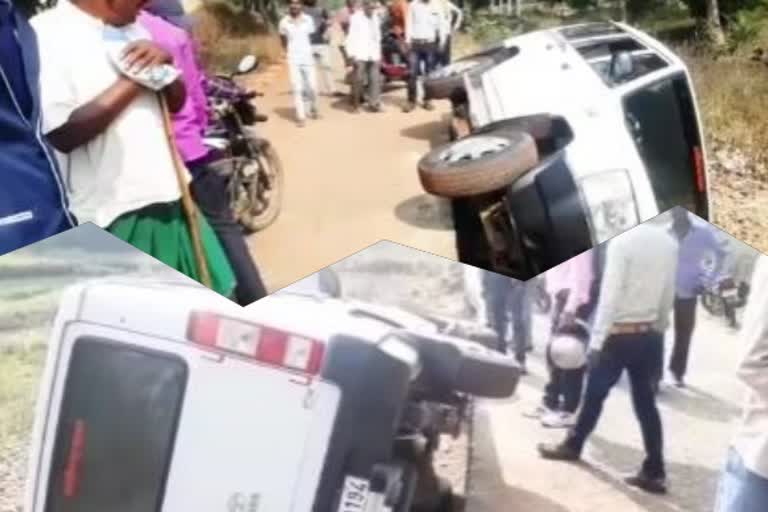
[258, 198]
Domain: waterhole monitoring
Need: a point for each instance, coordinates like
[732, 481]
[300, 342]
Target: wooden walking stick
[190, 209]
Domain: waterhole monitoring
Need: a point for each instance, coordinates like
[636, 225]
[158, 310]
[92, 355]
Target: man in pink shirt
[572, 286]
[209, 188]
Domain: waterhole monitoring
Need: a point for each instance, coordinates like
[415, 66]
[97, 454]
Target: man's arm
[668, 297]
[581, 276]
[409, 24]
[459, 15]
[753, 368]
[610, 290]
[92, 119]
[145, 54]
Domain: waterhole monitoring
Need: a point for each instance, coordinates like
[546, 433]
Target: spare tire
[444, 82]
[478, 164]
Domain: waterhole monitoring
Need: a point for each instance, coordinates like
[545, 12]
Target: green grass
[20, 371]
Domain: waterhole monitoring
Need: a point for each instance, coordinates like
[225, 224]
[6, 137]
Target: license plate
[355, 495]
[730, 293]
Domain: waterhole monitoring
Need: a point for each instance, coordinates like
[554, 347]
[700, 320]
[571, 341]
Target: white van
[167, 397]
[566, 137]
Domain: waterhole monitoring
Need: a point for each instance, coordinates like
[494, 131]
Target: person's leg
[429, 57]
[374, 79]
[413, 77]
[599, 383]
[684, 320]
[642, 355]
[739, 489]
[552, 391]
[310, 83]
[358, 77]
[209, 190]
[297, 84]
[323, 61]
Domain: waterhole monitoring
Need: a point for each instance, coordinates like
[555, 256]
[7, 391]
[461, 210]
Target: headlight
[611, 203]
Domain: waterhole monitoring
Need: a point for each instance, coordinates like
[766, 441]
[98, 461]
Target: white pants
[322, 55]
[304, 84]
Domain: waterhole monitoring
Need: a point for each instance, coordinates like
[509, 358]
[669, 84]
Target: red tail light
[75, 460]
[264, 344]
[698, 163]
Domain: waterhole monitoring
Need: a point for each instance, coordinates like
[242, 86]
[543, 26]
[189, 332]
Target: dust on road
[350, 181]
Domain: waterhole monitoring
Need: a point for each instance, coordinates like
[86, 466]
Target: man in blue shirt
[699, 263]
[33, 202]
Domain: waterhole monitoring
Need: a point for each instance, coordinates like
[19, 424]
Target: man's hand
[141, 55]
[593, 358]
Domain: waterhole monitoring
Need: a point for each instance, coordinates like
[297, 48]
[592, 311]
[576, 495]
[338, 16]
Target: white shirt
[751, 440]
[297, 33]
[364, 39]
[130, 165]
[425, 22]
[638, 283]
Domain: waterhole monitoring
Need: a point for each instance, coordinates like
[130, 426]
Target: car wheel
[443, 83]
[478, 164]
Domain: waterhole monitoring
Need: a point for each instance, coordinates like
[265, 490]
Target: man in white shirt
[296, 30]
[453, 16]
[628, 334]
[744, 482]
[109, 134]
[364, 49]
[425, 32]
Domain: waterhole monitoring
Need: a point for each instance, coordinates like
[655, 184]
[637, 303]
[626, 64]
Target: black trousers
[512, 310]
[684, 321]
[637, 353]
[209, 190]
[421, 60]
[564, 388]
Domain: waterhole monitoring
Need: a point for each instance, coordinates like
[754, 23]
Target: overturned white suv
[564, 138]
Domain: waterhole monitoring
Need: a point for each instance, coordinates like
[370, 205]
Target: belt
[422, 41]
[632, 328]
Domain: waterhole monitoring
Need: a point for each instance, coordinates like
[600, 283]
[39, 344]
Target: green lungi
[162, 231]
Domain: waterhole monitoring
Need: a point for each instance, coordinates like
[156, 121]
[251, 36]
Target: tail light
[75, 460]
[698, 164]
[264, 344]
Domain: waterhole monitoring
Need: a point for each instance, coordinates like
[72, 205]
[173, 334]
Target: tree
[713, 24]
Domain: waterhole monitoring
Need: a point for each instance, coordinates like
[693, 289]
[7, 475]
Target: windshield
[116, 429]
[661, 118]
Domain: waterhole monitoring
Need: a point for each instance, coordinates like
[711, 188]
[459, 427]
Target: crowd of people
[420, 32]
[87, 139]
[680, 259]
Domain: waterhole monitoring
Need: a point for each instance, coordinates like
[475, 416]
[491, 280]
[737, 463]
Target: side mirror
[622, 65]
[247, 64]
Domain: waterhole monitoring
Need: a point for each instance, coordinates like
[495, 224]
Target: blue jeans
[740, 490]
[636, 353]
[421, 61]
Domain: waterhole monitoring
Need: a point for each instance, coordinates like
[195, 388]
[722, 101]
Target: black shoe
[428, 106]
[409, 108]
[679, 382]
[648, 484]
[559, 451]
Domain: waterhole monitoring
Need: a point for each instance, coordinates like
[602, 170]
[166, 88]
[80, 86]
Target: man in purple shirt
[209, 188]
[699, 263]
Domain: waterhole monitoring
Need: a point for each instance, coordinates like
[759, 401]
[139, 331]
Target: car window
[116, 429]
[662, 121]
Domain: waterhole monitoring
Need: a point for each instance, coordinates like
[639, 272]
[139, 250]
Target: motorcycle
[254, 169]
[724, 298]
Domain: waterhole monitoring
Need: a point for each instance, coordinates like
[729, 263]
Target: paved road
[507, 473]
[350, 181]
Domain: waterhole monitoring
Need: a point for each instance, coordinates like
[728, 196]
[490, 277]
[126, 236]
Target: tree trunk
[714, 27]
[623, 11]
[518, 8]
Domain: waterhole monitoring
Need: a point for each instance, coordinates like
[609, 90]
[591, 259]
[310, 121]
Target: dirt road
[506, 468]
[350, 181]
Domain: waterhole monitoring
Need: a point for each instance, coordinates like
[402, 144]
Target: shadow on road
[622, 459]
[436, 132]
[425, 212]
[699, 404]
[487, 490]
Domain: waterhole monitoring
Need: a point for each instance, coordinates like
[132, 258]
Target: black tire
[443, 83]
[508, 155]
[259, 201]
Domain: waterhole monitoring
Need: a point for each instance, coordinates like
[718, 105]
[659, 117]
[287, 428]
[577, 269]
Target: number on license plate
[354, 495]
